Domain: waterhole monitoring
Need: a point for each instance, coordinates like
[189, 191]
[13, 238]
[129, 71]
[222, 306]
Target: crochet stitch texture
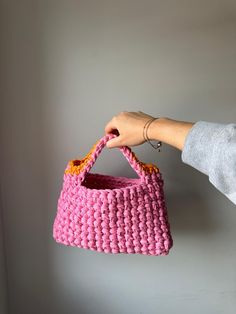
[113, 214]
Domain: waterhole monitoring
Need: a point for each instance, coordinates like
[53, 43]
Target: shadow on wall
[190, 212]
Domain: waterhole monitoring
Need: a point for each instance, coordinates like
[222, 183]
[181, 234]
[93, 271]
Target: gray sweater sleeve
[211, 148]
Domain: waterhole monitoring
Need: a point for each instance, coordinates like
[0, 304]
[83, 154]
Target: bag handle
[83, 166]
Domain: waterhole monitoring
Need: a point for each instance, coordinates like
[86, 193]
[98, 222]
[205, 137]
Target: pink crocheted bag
[113, 214]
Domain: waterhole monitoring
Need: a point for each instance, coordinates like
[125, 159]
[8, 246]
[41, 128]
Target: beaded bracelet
[145, 136]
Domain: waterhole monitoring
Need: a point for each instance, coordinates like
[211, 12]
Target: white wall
[68, 67]
[3, 270]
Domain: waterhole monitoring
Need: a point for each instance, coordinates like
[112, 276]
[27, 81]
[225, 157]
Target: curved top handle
[82, 167]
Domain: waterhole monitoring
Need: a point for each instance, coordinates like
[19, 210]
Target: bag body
[113, 214]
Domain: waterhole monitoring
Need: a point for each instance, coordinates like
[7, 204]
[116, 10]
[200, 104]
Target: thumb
[114, 142]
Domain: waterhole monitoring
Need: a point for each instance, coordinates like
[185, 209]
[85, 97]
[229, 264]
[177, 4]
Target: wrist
[156, 129]
[171, 132]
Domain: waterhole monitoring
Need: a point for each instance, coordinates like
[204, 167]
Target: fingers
[110, 127]
[114, 142]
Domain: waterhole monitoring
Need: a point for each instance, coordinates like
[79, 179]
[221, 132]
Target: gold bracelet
[145, 136]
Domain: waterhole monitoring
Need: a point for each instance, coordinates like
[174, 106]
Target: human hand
[129, 128]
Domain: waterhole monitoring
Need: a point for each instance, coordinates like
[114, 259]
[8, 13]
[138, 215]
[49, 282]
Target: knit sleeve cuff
[199, 145]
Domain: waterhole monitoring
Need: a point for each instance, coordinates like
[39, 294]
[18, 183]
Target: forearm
[206, 146]
[170, 131]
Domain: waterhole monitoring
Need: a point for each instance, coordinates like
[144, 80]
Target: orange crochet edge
[76, 166]
[148, 168]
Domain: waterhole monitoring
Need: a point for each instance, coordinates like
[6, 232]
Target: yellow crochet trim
[76, 166]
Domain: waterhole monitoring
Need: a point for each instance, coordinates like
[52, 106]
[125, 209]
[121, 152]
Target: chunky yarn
[113, 214]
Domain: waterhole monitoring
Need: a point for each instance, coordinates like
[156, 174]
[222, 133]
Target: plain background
[66, 68]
